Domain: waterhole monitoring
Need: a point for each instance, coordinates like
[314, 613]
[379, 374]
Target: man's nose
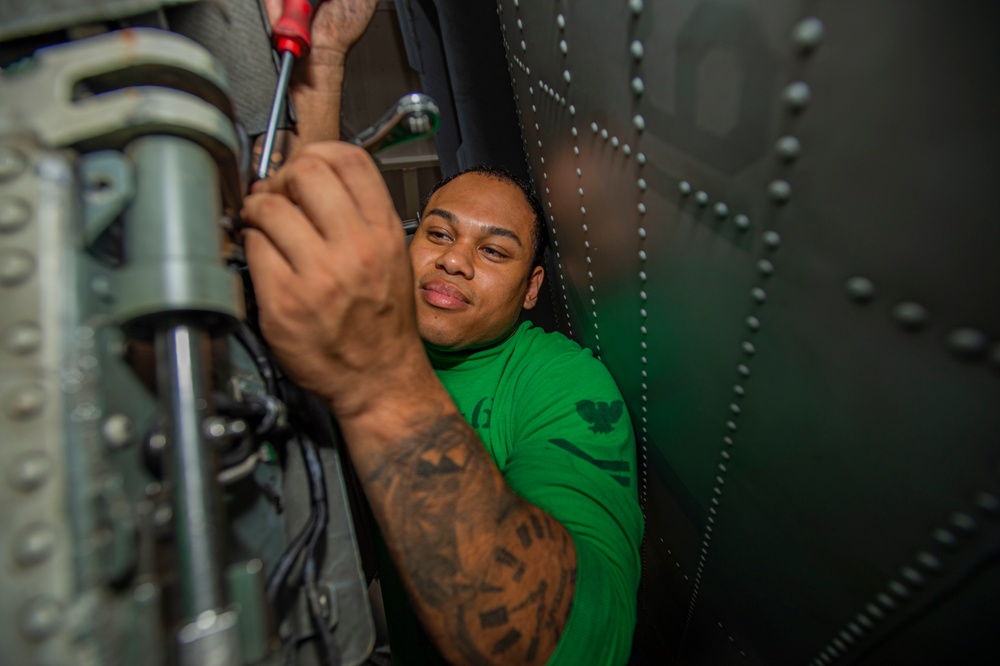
[455, 260]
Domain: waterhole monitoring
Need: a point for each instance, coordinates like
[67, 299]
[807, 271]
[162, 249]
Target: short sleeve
[575, 458]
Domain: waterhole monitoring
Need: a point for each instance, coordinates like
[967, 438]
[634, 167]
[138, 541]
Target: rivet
[771, 239]
[765, 268]
[520, 24]
[910, 315]
[567, 77]
[572, 110]
[580, 191]
[635, 6]
[583, 210]
[743, 370]
[964, 522]
[860, 288]
[758, 294]
[875, 611]
[887, 602]
[16, 266]
[604, 134]
[684, 187]
[29, 471]
[846, 637]
[642, 231]
[753, 323]
[40, 618]
[640, 158]
[797, 95]
[739, 390]
[117, 430]
[899, 589]
[945, 538]
[576, 150]
[912, 575]
[627, 149]
[12, 163]
[24, 402]
[702, 198]
[742, 222]
[641, 208]
[967, 342]
[563, 46]
[989, 503]
[14, 214]
[22, 338]
[643, 313]
[642, 295]
[749, 348]
[639, 122]
[839, 644]
[594, 128]
[615, 142]
[864, 621]
[574, 132]
[788, 148]
[34, 544]
[725, 455]
[780, 191]
[734, 408]
[641, 183]
[635, 48]
[721, 210]
[638, 87]
[808, 33]
[560, 21]
[524, 47]
[929, 561]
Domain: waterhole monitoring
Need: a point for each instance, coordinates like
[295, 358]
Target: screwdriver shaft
[287, 60]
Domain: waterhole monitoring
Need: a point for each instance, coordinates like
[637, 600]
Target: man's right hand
[333, 279]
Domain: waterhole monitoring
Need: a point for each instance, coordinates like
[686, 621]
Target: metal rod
[287, 60]
[180, 368]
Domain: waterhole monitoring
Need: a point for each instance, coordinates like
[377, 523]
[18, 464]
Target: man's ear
[534, 286]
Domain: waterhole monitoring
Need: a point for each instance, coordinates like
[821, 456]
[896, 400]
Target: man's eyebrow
[490, 230]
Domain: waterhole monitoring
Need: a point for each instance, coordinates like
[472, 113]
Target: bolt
[29, 471]
[40, 618]
[34, 544]
[22, 338]
[16, 266]
[25, 402]
[117, 431]
[14, 214]
[12, 163]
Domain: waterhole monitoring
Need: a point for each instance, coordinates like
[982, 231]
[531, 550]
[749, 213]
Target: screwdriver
[291, 40]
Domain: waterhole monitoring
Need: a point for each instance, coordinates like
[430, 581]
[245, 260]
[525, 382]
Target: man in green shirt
[497, 460]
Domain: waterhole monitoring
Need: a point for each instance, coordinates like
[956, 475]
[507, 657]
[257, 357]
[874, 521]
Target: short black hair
[539, 236]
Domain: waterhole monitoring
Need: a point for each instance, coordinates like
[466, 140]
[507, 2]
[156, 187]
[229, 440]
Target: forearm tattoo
[496, 571]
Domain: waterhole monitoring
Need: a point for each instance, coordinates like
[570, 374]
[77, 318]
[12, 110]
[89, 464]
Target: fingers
[337, 186]
[289, 234]
[269, 271]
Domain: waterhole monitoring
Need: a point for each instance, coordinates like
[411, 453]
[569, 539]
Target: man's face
[471, 257]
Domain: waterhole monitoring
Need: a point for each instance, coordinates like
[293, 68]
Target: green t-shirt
[555, 424]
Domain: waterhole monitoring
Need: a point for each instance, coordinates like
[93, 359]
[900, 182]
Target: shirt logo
[483, 413]
[601, 416]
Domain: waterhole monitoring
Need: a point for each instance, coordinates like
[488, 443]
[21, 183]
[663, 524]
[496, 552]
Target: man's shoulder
[553, 353]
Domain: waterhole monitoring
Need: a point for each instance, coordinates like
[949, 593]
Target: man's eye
[440, 235]
[494, 253]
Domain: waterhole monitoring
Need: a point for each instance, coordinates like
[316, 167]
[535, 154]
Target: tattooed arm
[491, 576]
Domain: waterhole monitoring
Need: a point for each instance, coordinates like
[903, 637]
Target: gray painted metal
[773, 222]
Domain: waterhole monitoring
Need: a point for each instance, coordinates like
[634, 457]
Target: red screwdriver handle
[291, 32]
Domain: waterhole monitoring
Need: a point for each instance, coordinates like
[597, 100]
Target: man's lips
[443, 294]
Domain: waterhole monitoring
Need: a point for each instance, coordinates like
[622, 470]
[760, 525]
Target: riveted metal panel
[773, 222]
